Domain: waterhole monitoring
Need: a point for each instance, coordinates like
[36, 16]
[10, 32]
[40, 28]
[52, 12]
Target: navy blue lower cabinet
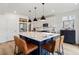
[69, 36]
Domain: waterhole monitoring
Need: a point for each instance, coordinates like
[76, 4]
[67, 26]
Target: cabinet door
[70, 36]
[22, 27]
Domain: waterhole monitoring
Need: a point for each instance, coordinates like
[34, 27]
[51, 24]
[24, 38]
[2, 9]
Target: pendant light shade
[29, 16]
[43, 17]
[35, 19]
[29, 20]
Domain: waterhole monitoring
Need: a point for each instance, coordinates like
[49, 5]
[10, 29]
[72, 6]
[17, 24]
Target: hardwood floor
[7, 48]
[70, 49]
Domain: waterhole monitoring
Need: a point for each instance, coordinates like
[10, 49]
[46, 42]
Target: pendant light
[43, 17]
[29, 16]
[35, 19]
[29, 20]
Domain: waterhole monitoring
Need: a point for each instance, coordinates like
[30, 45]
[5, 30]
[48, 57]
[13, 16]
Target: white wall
[9, 26]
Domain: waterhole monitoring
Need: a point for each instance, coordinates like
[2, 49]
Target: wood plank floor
[70, 49]
[7, 48]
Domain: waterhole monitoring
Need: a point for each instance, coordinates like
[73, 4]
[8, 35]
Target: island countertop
[39, 36]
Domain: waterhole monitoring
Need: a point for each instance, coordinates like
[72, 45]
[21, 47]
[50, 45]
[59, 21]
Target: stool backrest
[20, 43]
[62, 40]
[55, 44]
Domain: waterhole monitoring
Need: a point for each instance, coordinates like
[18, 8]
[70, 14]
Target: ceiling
[49, 8]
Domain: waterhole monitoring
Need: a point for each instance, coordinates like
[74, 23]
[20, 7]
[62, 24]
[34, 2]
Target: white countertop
[38, 36]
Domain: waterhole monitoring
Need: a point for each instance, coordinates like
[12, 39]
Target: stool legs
[15, 50]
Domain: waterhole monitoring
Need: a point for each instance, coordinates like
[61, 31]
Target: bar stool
[61, 51]
[23, 46]
[55, 46]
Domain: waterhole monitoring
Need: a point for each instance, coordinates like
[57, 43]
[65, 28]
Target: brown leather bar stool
[52, 46]
[23, 46]
[61, 51]
[55, 46]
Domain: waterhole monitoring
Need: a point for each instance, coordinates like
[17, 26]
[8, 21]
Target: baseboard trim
[7, 41]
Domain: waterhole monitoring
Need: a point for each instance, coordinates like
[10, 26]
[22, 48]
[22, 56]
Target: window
[68, 22]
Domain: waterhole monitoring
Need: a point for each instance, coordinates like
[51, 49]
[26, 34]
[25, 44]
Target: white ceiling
[22, 8]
